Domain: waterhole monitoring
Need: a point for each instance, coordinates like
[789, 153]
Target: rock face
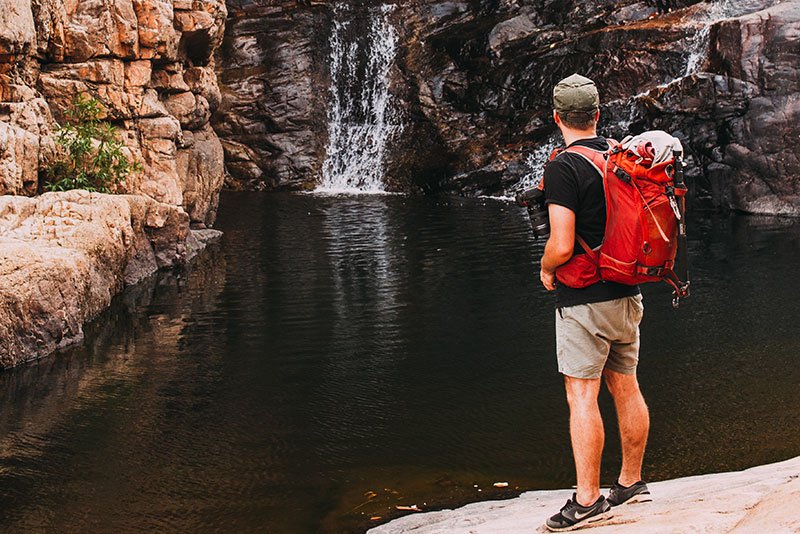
[64, 255]
[472, 84]
[741, 117]
[149, 62]
[273, 76]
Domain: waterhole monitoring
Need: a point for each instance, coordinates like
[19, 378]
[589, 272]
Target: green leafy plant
[91, 155]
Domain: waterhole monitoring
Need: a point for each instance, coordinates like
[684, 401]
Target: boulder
[63, 256]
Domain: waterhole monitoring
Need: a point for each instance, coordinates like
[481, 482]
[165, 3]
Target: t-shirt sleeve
[560, 186]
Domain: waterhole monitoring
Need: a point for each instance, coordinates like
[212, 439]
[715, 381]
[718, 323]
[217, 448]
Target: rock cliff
[63, 256]
[272, 72]
[149, 62]
[472, 83]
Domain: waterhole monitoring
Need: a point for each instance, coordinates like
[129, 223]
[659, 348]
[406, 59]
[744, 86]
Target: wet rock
[472, 85]
[738, 119]
[761, 50]
[272, 68]
[510, 30]
[63, 256]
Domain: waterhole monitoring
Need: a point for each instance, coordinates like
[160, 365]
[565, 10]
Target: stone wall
[149, 62]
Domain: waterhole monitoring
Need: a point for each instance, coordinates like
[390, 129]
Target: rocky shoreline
[760, 499]
[150, 66]
[63, 256]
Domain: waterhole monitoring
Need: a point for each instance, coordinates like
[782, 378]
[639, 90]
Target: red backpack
[645, 207]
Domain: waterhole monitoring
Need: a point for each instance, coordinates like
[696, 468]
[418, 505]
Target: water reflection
[330, 347]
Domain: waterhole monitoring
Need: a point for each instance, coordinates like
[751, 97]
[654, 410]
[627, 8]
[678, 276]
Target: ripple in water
[331, 347]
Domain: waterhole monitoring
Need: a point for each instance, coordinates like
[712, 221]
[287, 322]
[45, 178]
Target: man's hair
[577, 120]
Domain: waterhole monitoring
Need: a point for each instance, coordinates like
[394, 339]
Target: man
[597, 327]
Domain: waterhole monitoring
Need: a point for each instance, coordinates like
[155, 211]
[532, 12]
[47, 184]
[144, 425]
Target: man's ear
[597, 116]
[555, 117]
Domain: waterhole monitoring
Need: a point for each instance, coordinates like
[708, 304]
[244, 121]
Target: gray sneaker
[634, 493]
[574, 516]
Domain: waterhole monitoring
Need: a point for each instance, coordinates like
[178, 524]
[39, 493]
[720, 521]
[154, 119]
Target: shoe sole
[638, 498]
[594, 521]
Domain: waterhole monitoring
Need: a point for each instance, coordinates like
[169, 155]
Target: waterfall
[697, 52]
[716, 11]
[360, 115]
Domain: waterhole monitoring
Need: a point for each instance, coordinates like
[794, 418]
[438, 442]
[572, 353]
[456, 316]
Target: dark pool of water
[334, 357]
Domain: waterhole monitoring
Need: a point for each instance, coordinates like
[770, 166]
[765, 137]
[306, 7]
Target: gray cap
[576, 93]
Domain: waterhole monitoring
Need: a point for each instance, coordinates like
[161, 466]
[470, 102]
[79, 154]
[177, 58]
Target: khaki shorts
[597, 336]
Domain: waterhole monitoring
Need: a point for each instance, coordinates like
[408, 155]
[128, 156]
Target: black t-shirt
[573, 182]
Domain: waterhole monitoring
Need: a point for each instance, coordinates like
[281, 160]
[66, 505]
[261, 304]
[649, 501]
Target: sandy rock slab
[756, 500]
[63, 256]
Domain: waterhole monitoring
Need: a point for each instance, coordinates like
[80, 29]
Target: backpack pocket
[622, 272]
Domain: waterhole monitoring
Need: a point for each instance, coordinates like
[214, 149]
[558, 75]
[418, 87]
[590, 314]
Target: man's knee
[581, 391]
[621, 385]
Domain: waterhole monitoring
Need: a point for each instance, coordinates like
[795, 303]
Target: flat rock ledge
[757, 500]
[64, 255]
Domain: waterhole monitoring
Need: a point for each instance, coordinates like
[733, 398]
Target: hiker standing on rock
[597, 327]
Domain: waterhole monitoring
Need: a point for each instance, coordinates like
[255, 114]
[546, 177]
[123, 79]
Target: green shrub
[91, 155]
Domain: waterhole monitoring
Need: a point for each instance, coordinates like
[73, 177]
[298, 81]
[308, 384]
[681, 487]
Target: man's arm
[558, 249]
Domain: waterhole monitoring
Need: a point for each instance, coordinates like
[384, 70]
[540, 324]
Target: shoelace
[570, 504]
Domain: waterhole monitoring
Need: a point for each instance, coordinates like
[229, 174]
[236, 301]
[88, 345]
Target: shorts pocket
[637, 308]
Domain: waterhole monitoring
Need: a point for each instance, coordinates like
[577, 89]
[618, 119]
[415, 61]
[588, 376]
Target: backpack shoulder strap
[596, 158]
[591, 254]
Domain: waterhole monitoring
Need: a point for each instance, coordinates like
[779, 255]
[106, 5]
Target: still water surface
[334, 357]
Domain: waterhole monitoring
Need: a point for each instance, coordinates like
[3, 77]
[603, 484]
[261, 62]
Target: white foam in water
[535, 162]
[360, 117]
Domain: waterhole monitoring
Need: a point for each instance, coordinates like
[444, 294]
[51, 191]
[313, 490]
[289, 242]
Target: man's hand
[548, 279]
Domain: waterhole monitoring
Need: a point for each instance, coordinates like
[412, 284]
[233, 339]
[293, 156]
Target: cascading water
[717, 11]
[361, 118]
[535, 163]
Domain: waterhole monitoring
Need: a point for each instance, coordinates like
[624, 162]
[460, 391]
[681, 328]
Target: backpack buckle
[622, 175]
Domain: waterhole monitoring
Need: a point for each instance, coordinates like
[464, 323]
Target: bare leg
[586, 431]
[634, 423]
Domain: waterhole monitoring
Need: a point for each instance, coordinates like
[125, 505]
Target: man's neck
[570, 136]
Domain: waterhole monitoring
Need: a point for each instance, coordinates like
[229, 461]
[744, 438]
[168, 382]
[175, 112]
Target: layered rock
[472, 83]
[149, 62]
[273, 74]
[483, 77]
[63, 256]
[741, 116]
